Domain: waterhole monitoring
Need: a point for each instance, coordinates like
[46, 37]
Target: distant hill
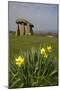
[46, 33]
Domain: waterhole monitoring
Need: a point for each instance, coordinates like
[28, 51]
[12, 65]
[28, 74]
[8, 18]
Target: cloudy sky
[43, 16]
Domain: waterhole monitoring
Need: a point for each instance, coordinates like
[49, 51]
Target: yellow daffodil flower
[19, 61]
[49, 48]
[45, 55]
[42, 51]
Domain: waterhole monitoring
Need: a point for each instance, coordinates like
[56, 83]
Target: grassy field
[19, 44]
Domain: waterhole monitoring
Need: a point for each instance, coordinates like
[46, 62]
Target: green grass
[20, 44]
[17, 43]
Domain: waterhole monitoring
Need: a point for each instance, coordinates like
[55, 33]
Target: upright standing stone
[22, 29]
[17, 30]
[28, 29]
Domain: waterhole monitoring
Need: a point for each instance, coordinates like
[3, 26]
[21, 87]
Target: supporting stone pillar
[28, 30]
[22, 29]
[17, 30]
[25, 29]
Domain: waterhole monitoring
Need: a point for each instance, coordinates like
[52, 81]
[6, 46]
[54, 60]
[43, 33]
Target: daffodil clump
[44, 51]
[19, 61]
[34, 67]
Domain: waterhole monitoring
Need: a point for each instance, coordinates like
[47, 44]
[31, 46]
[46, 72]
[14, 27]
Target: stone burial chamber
[24, 27]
